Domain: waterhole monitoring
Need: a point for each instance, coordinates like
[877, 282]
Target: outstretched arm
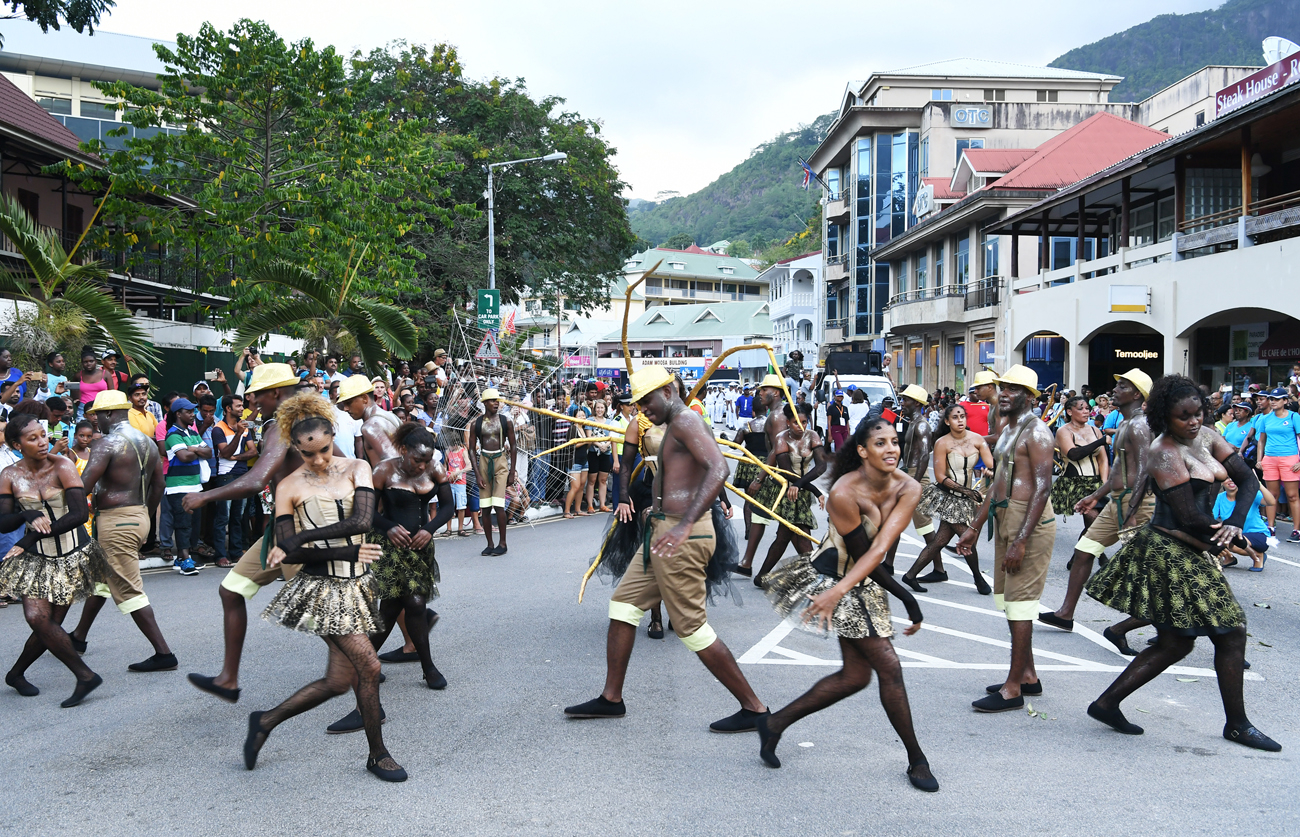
[274, 450]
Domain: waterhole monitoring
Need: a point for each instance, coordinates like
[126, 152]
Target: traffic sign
[488, 349]
[489, 309]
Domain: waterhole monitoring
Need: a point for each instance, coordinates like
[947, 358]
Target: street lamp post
[555, 157]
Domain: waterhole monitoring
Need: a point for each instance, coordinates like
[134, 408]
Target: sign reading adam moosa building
[1256, 86]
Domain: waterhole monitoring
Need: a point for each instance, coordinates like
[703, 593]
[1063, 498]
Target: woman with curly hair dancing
[1167, 572]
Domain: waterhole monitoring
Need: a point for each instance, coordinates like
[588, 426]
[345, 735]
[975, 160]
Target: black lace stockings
[416, 626]
[861, 658]
[46, 621]
[933, 551]
[349, 655]
[1229, 665]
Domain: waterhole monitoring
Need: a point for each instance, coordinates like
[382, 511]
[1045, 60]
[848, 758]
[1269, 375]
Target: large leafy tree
[560, 228]
[282, 158]
[79, 15]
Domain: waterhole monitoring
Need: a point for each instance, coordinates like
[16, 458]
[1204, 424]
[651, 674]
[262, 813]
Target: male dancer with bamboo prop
[764, 492]
[678, 546]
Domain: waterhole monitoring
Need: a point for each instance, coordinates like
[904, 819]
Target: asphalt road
[492, 754]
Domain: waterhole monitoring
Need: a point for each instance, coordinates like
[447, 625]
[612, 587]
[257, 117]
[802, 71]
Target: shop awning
[1283, 342]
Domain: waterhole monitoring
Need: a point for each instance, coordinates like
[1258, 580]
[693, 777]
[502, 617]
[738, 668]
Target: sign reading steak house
[1256, 86]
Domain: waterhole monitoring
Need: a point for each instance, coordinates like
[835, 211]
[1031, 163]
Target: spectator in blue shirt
[1280, 456]
[745, 403]
[1254, 529]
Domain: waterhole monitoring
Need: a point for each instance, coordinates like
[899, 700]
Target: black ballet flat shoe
[743, 721]
[383, 678]
[208, 684]
[996, 703]
[1119, 641]
[1115, 719]
[933, 577]
[352, 722]
[397, 655]
[434, 679]
[930, 785]
[760, 581]
[251, 745]
[655, 631]
[889, 568]
[1153, 640]
[745, 571]
[372, 764]
[1248, 736]
[981, 586]
[767, 741]
[1031, 689]
[84, 687]
[431, 617]
[158, 662]
[914, 584]
[20, 685]
[500, 550]
[78, 645]
[1245, 664]
[1055, 621]
[490, 550]
[597, 708]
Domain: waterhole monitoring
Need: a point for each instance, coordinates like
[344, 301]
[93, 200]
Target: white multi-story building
[795, 308]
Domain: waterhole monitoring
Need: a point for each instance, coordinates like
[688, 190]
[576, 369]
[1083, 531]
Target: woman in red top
[93, 379]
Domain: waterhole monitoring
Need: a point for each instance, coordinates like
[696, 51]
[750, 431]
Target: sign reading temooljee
[1256, 86]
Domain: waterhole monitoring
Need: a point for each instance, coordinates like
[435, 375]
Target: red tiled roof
[695, 248]
[942, 188]
[1094, 144]
[1000, 160]
[20, 112]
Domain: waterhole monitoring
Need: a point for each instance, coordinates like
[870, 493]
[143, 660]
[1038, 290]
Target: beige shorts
[678, 581]
[121, 532]
[1018, 594]
[1104, 531]
[494, 473]
[248, 576]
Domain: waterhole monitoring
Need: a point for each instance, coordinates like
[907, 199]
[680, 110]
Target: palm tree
[66, 303]
[314, 307]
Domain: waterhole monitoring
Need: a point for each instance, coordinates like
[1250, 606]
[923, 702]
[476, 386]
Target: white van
[848, 371]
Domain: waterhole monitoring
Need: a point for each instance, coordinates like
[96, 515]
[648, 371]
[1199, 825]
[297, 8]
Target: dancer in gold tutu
[56, 562]
[322, 512]
[843, 588]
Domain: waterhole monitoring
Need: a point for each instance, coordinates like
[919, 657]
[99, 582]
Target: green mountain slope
[1157, 53]
[759, 199]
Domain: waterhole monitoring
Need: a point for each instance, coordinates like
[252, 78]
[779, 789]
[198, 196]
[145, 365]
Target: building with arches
[793, 288]
[1185, 257]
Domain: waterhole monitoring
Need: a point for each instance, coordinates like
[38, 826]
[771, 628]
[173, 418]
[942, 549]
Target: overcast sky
[684, 89]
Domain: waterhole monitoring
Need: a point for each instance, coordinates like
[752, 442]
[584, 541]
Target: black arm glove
[10, 519]
[626, 464]
[1079, 452]
[358, 523]
[78, 514]
[1182, 502]
[857, 543]
[446, 510]
[1247, 487]
[382, 524]
[784, 462]
[284, 529]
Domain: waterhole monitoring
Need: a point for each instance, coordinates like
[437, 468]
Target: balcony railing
[984, 294]
[169, 270]
[919, 294]
[842, 258]
[840, 322]
[706, 296]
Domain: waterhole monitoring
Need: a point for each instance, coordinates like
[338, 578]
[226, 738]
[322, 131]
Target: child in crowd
[457, 468]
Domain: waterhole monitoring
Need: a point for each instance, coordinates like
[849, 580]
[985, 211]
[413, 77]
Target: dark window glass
[53, 105]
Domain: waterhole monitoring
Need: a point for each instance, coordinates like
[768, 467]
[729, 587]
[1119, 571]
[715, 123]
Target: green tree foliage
[679, 241]
[740, 249]
[760, 198]
[560, 228]
[63, 304]
[1157, 53]
[280, 162]
[79, 15]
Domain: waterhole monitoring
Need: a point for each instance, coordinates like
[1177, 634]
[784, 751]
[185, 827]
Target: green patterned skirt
[769, 495]
[799, 511]
[746, 472]
[404, 571]
[1068, 490]
[1170, 584]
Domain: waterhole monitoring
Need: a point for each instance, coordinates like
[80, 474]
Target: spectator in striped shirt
[186, 455]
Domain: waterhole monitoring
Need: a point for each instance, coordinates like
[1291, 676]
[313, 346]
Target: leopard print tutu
[1068, 490]
[61, 581]
[863, 612]
[947, 505]
[1170, 584]
[327, 606]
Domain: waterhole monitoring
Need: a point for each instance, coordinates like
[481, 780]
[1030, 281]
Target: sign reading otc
[972, 117]
[1257, 85]
[489, 309]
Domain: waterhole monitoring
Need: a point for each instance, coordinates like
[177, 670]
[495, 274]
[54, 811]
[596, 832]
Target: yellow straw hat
[647, 379]
[984, 377]
[271, 376]
[490, 394]
[1021, 376]
[110, 399]
[1139, 379]
[774, 381]
[916, 393]
[352, 387]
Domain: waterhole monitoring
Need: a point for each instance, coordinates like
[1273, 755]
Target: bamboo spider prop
[717, 361]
